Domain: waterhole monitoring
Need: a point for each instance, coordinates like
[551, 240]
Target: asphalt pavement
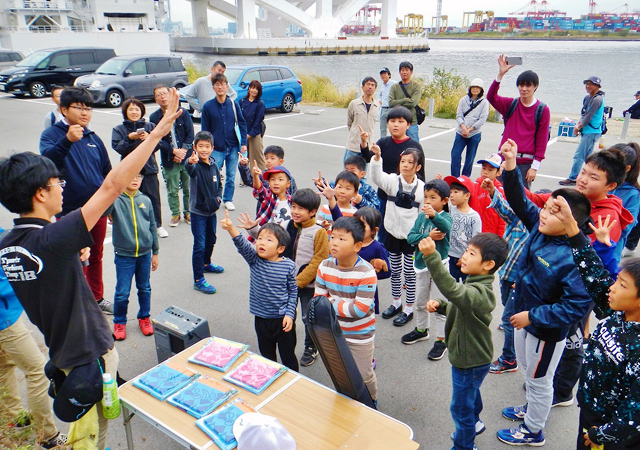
[412, 389]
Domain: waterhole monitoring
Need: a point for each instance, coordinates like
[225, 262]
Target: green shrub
[194, 72]
[318, 89]
[446, 88]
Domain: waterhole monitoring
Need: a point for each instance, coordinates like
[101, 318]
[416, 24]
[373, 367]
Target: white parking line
[283, 116]
[437, 134]
[318, 132]
[305, 142]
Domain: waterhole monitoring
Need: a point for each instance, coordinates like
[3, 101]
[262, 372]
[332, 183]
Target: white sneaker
[162, 233]
[230, 206]
[626, 252]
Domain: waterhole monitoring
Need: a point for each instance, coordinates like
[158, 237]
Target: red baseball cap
[462, 179]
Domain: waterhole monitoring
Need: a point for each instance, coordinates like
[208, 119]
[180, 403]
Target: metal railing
[39, 4]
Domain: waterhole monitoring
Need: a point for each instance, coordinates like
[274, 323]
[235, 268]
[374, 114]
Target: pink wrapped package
[255, 373]
[219, 354]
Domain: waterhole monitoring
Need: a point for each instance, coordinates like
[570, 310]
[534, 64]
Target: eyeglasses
[61, 183]
[162, 94]
[85, 109]
[139, 177]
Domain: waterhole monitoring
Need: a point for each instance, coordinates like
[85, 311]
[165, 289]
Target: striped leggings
[403, 262]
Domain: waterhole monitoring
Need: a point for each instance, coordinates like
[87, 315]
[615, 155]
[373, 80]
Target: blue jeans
[508, 300]
[412, 132]
[126, 268]
[203, 229]
[585, 147]
[466, 403]
[471, 143]
[348, 153]
[230, 157]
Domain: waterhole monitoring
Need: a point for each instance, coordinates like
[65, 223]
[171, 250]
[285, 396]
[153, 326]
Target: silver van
[133, 76]
[10, 58]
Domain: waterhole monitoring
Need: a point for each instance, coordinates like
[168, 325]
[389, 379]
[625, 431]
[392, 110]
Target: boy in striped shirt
[349, 282]
[273, 292]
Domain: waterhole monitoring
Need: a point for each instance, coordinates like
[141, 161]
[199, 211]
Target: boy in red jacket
[480, 198]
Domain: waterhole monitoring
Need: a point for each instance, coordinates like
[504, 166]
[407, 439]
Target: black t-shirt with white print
[41, 260]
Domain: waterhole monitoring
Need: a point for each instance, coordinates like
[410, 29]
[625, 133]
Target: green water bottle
[110, 399]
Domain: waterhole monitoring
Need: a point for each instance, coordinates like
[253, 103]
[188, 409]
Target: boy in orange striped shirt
[349, 282]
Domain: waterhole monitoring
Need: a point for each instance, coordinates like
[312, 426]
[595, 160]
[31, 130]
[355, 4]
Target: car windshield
[33, 59]
[233, 75]
[112, 67]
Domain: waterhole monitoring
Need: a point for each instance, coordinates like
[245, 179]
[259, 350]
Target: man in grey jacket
[201, 91]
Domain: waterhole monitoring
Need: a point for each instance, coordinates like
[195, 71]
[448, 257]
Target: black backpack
[538, 117]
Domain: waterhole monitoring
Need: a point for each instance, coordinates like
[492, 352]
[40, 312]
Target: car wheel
[114, 99]
[37, 89]
[287, 103]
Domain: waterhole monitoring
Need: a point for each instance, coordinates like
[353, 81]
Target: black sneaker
[59, 440]
[415, 336]
[402, 319]
[560, 401]
[438, 351]
[309, 356]
[567, 182]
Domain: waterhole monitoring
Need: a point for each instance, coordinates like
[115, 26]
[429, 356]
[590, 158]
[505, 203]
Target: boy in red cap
[480, 198]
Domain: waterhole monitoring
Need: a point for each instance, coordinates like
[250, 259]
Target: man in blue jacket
[175, 148]
[223, 118]
[82, 159]
[589, 126]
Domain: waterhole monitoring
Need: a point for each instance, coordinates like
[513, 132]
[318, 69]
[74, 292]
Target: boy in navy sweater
[273, 292]
[205, 189]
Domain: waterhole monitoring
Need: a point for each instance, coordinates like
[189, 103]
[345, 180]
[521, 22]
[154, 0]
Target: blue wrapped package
[202, 396]
[219, 424]
[165, 379]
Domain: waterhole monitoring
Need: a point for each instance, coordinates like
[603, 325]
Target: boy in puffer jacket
[609, 389]
[135, 243]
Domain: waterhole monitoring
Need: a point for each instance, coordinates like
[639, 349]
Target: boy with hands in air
[549, 298]
[468, 310]
[273, 292]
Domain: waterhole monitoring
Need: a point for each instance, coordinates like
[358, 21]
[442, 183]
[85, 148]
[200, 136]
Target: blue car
[281, 88]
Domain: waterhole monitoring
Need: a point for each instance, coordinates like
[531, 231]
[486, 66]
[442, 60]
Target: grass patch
[15, 438]
[321, 90]
[194, 72]
[446, 87]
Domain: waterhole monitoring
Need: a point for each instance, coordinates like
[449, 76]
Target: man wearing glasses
[82, 159]
[175, 148]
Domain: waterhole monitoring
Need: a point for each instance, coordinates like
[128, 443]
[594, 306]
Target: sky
[181, 10]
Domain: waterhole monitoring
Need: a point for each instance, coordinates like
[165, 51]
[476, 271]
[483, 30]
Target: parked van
[51, 67]
[133, 76]
[9, 58]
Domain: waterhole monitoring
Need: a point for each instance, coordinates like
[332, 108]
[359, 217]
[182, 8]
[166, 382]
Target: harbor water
[561, 65]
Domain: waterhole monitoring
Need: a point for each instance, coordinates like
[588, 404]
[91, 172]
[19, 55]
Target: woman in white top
[473, 111]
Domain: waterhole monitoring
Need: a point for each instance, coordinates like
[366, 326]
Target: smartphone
[140, 130]
[514, 60]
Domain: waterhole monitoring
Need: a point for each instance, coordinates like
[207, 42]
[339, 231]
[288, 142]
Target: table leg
[128, 415]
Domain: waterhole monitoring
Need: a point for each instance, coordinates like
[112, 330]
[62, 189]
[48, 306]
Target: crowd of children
[439, 240]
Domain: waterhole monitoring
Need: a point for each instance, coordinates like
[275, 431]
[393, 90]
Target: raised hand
[428, 210]
[603, 231]
[317, 181]
[226, 223]
[246, 222]
[193, 159]
[427, 246]
[487, 185]
[364, 136]
[326, 189]
[255, 170]
[75, 133]
[243, 160]
[375, 149]
[503, 66]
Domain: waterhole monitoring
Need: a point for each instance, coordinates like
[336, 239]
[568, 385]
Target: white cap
[476, 82]
[255, 431]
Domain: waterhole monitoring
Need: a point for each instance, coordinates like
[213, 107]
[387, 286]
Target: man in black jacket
[175, 148]
[634, 109]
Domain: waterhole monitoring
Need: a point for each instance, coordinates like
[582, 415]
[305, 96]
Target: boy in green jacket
[135, 243]
[468, 309]
[435, 223]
